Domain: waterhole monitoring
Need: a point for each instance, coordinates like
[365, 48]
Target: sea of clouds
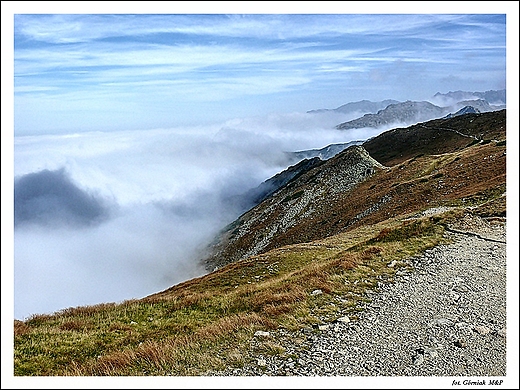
[110, 216]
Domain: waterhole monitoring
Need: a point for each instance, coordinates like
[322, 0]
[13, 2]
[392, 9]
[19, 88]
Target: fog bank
[105, 217]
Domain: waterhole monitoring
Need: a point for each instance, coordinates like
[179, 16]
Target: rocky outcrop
[256, 195]
[296, 211]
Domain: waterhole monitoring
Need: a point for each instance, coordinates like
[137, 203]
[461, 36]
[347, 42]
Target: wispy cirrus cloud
[127, 63]
[89, 27]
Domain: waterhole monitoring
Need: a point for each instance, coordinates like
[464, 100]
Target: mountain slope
[256, 195]
[436, 136]
[353, 188]
[291, 213]
[347, 226]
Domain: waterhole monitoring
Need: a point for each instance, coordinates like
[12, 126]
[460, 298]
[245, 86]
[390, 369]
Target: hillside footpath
[444, 316]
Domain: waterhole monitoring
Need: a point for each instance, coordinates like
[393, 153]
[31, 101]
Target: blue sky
[89, 72]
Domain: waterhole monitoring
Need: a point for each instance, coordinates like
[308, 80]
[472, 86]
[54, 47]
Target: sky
[89, 72]
[127, 132]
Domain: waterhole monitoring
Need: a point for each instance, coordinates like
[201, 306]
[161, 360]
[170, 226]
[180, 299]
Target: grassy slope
[205, 323]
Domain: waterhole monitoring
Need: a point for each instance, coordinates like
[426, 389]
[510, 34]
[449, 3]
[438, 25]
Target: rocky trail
[444, 316]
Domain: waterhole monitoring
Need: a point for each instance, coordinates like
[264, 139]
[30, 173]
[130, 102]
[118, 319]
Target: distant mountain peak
[495, 97]
[408, 112]
[324, 153]
[464, 110]
[411, 112]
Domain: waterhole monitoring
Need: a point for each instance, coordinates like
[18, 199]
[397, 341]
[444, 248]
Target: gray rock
[483, 330]
[461, 343]
[418, 359]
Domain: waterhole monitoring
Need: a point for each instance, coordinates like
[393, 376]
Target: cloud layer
[104, 217]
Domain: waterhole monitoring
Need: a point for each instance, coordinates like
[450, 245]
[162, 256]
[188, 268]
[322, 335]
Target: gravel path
[447, 317]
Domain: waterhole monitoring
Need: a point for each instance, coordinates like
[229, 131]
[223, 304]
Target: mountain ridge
[274, 222]
[405, 112]
[292, 203]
